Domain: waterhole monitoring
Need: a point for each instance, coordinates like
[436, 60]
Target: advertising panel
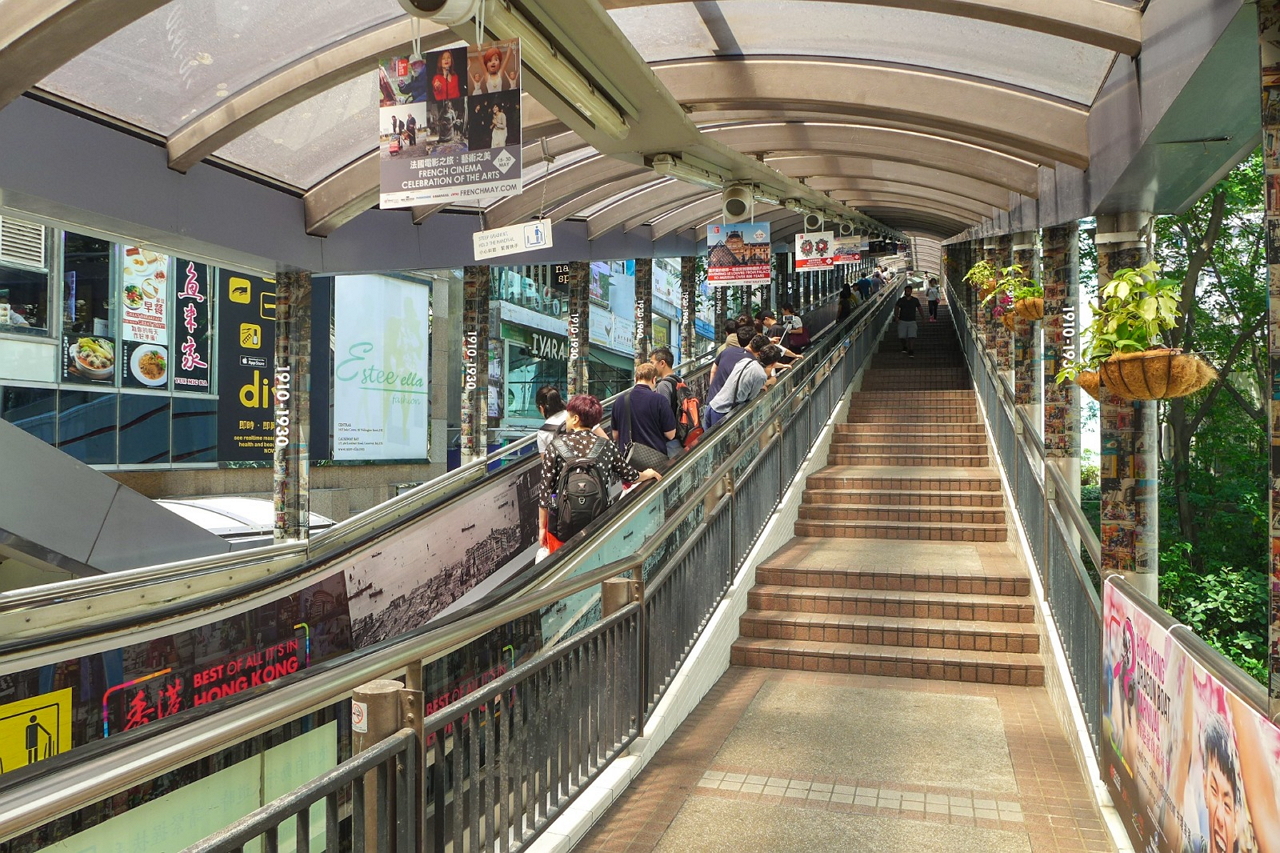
[666, 285]
[95, 696]
[738, 254]
[813, 251]
[1189, 764]
[449, 125]
[246, 353]
[846, 250]
[144, 300]
[88, 359]
[193, 337]
[380, 370]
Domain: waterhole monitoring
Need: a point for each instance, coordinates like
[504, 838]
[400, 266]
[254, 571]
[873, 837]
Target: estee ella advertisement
[380, 368]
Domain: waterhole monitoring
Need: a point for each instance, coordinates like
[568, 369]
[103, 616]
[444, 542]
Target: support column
[446, 363]
[721, 301]
[579, 326]
[1060, 276]
[1004, 336]
[688, 306]
[989, 324]
[475, 361]
[1268, 10]
[1026, 335]
[292, 393]
[1130, 463]
[644, 308]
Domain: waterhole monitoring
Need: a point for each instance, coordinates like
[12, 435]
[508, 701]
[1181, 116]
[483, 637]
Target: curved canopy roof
[926, 115]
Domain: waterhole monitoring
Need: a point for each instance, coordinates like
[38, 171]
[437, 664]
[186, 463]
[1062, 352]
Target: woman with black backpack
[576, 471]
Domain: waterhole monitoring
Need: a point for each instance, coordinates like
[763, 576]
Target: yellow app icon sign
[267, 306]
[240, 290]
[250, 336]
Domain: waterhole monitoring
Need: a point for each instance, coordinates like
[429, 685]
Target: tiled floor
[760, 765]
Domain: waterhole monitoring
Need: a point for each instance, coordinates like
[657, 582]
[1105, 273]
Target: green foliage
[980, 273]
[1032, 291]
[1137, 308]
[1226, 607]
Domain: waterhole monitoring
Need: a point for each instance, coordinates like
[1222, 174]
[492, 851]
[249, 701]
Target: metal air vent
[22, 243]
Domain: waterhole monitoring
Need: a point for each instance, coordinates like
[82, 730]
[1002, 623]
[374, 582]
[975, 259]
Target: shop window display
[24, 301]
[86, 286]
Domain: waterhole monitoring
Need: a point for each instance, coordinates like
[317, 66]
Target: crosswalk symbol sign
[32, 730]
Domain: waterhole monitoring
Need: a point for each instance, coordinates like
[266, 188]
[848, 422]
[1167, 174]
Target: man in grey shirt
[745, 380]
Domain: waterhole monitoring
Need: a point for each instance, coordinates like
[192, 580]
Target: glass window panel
[24, 302]
[173, 64]
[1036, 61]
[195, 429]
[86, 288]
[144, 429]
[34, 410]
[87, 426]
[308, 142]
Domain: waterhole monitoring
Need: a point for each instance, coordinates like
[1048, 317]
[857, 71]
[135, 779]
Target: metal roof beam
[1094, 22]
[660, 197]
[833, 172]
[39, 36]
[1041, 129]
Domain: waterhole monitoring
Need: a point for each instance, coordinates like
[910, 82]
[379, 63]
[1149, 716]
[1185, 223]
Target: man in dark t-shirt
[907, 312]
[650, 420]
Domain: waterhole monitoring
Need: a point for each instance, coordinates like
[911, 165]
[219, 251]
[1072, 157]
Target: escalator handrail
[55, 793]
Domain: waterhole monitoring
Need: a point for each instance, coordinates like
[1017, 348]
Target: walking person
[932, 295]
[907, 312]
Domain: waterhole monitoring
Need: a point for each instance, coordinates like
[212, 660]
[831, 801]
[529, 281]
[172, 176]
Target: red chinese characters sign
[192, 338]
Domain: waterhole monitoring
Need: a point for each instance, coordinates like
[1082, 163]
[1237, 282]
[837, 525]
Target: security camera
[846, 230]
[812, 221]
[736, 202]
[446, 12]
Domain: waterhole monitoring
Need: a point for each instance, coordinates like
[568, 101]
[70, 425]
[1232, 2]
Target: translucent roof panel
[308, 142]
[178, 61]
[1018, 57]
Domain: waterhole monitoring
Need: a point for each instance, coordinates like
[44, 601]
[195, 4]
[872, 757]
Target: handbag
[639, 455]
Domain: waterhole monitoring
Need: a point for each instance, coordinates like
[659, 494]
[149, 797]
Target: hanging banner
[380, 368]
[192, 339]
[738, 254]
[246, 348]
[813, 251]
[846, 250]
[449, 125]
[144, 299]
[1189, 763]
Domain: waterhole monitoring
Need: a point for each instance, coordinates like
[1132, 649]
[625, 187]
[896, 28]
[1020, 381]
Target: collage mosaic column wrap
[644, 308]
[1130, 464]
[1003, 336]
[579, 325]
[475, 363]
[688, 305]
[721, 295]
[1025, 337]
[1060, 276]
[1269, 38]
[989, 324]
[292, 393]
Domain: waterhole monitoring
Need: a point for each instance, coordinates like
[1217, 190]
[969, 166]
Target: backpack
[582, 493]
[688, 411]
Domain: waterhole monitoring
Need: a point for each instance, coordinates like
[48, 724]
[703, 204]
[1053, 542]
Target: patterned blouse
[580, 442]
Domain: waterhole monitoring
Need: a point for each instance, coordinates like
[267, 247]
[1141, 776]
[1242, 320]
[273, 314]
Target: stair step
[902, 530]
[905, 514]
[892, 603]
[864, 416]
[928, 442]
[861, 659]
[846, 482]
[905, 497]
[837, 457]
[873, 428]
[869, 578]
[878, 631]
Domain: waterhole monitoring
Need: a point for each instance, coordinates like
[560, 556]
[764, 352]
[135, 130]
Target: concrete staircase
[900, 564]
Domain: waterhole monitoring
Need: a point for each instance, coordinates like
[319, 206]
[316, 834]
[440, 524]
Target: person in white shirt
[932, 294]
[746, 379]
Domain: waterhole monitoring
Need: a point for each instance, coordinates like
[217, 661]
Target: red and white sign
[815, 251]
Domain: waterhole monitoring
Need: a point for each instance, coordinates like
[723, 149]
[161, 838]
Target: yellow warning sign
[34, 729]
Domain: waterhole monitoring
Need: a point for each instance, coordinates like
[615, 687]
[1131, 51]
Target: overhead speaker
[736, 202]
[846, 230]
[812, 222]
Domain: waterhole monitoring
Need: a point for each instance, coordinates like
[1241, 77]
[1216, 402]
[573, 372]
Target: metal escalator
[506, 618]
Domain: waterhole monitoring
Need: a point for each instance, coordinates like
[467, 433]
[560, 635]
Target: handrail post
[375, 716]
[615, 594]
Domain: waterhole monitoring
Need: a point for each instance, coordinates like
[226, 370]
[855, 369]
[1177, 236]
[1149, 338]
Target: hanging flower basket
[987, 288]
[1156, 374]
[1089, 381]
[1030, 309]
[1008, 319]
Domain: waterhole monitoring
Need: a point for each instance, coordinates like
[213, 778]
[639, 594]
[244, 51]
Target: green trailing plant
[1137, 308]
[1014, 282]
[981, 273]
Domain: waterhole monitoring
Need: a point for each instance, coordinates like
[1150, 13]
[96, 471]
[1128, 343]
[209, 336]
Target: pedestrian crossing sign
[35, 729]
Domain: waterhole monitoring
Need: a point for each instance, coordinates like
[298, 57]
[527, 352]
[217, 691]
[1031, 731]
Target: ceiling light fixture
[673, 167]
